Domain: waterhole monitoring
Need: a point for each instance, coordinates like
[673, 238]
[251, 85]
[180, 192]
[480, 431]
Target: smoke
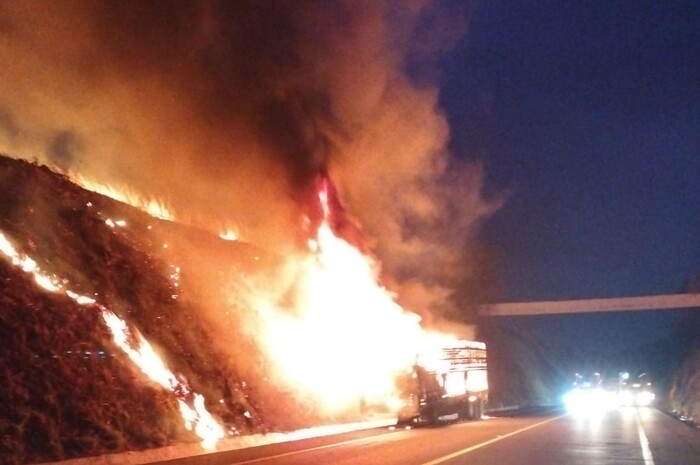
[228, 110]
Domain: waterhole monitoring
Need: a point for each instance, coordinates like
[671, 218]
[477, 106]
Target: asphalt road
[630, 436]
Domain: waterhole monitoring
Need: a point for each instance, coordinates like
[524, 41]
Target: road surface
[630, 436]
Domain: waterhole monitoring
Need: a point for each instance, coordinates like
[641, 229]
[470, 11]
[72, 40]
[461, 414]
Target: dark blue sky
[588, 114]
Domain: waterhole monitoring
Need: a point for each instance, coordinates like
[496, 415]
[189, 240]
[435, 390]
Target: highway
[627, 436]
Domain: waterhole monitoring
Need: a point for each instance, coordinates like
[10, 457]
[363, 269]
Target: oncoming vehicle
[638, 392]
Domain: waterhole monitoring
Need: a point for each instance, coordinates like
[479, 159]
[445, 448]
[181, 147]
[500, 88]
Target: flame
[153, 207]
[140, 352]
[348, 338]
[143, 355]
[198, 418]
[229, 235]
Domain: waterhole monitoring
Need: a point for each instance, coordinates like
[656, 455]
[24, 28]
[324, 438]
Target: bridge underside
[619, 304]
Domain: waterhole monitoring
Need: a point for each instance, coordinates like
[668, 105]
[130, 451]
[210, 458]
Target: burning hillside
[83, 278]
[221, 114]
[204, 334]
[227, 124]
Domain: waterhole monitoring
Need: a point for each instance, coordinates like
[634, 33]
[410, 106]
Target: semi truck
[449, 384]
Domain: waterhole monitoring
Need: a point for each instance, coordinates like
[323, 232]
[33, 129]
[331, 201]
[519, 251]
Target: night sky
[588, 115]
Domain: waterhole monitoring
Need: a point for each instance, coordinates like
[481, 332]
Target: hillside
[68, 389]
[684, 389]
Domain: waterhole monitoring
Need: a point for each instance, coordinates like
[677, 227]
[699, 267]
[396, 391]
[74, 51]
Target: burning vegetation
[115, 317]
[225, 125]
[74, 367]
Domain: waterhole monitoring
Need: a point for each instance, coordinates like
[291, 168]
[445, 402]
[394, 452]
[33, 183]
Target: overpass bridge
[617, 304]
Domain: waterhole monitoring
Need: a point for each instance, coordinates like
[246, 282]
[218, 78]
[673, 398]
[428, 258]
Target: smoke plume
[228, 110]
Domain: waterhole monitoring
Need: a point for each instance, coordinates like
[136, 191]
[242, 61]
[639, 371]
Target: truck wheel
[472, 410]
[432, 417]
[475, 410]
[464, 413]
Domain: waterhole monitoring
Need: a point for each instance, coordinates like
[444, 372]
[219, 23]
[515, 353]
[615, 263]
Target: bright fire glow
[477, 381]
[229, 235]
[143, 354]
[136, 347]
[455, 384]
[347, 337]
[151, 206]
[198, 418]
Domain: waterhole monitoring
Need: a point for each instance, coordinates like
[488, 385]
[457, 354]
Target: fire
[229, 235]
[192, 407]
[135, 346]
[345, 339]
[143, 354]
[153, 207]
[348, 338]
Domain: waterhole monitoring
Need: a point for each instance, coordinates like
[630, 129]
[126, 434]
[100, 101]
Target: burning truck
[448, 384]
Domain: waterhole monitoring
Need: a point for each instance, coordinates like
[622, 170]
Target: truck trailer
[447, 385]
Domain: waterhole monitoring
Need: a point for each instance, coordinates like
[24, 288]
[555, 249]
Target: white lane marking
[490, 441]
[301, 451]
[646, 452]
